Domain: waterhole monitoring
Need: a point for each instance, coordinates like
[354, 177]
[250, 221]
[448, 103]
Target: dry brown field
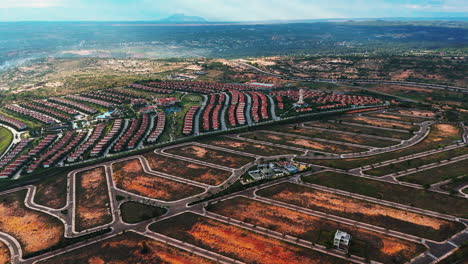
[187, 170]
[129, 176]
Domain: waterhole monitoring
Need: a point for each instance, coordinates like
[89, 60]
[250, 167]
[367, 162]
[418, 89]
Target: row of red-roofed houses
[15, 166]
[108, 138]
[150, 89]
[140, 134]
[217, 111]
[76, 141]
[279, 102]
[61, 108]
[188, 120]
[90, 100]
[158, 128]
[202, 87]
[52, 150]
[18, 125]
[78, 153]
[51, 112]
[99, 95]
[236, 111]
[255, 107]
[207, 112]
[80, 106]
[14, 151]
[347, 99]
[30, 113]
[122, 141]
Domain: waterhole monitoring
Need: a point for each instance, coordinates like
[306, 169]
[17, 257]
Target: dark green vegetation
[458, 257]
[417, 162]
[133, 212]
[438, 174]
[392, 192]
[370, 213]
[454, 183]
[52, 192]
[5, 139]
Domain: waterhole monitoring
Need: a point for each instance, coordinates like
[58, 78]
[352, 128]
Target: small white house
[342, 240]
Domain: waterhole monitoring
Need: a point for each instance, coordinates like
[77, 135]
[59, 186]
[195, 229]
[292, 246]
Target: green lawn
[5, 139]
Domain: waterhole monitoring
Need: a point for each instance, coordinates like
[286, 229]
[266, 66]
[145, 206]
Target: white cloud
[30, 3]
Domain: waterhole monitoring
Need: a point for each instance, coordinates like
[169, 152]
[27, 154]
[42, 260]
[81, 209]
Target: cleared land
[214, 156]
[236, 242]
[5, 139]
[392, 192]
[52, 192]
[363, 211]
[417, 162]
[133, 212]
[35, 231]
[367, 244]
[379, 123]
[301, 142]
[92, 199]
[249, 147]
[330, 135]
[438, 174]
[416, 112]
[5, 256]
[187, 170]
[440, 135]
[455, 183]
[127, 248]
[129, 176]
[361, 130]
[403, 118]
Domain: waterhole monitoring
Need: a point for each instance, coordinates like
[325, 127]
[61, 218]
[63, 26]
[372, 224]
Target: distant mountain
[177, 18]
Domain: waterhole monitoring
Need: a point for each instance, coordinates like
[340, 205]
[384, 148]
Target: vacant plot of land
[380, 123]
[236, 242]
[5, 139]
[92, 199]
[129, 176]
[414, 112]
[35, 231]
[214, 156]
[301, 142]
[361, 130]
[455, 183]
[417, 162]
[442, 173]
[128, 248]
[363, 211]
[52, 192]
[5, 256]
[372, 245]
[392, 192]
[403, 118]
[249, 147]
[440, 135]
[133, 212]
[354, 139]
[187, 170]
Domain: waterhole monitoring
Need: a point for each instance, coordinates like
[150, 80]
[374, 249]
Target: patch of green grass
[438, 174]
[5, 139]
[133, 212]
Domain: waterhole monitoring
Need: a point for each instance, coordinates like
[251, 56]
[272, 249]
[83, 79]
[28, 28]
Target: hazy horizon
[226, 11]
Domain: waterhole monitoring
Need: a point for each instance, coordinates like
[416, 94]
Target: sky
[225, 10]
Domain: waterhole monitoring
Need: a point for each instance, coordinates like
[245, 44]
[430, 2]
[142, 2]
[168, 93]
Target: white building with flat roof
[342, 240]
